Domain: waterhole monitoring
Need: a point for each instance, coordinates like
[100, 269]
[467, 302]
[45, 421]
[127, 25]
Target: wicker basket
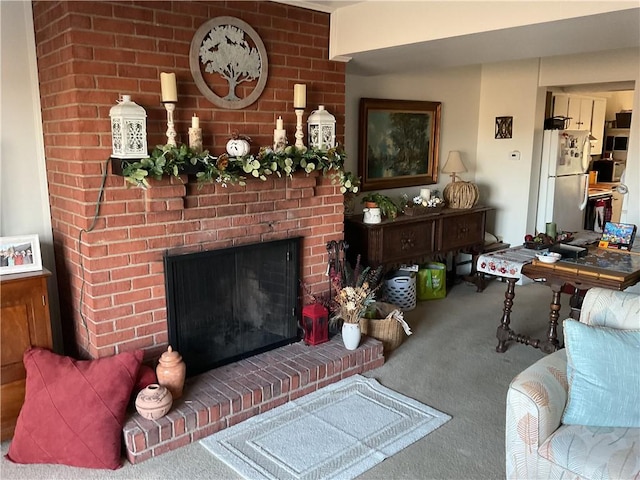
[387, 330]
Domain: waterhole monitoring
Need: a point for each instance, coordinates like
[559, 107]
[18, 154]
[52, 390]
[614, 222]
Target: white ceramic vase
[351, 335]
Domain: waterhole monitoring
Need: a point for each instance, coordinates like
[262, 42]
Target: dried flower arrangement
[356, 294]
[352, 303]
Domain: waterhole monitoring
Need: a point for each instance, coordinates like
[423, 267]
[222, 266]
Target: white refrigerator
[564, 182]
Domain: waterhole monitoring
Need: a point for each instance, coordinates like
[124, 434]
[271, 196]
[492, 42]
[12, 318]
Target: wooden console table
[415, 239]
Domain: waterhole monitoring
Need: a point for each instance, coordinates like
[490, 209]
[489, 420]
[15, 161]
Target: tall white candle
[195, 121]
[168, 87]
[279, 124]
[279, 138]
[425, 194]
[299, 95]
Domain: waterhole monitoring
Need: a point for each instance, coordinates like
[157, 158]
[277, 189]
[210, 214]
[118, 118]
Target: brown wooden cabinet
[25, 322]
[415, 239]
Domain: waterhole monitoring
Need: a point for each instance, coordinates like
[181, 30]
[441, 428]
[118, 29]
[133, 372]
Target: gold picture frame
[399, 143]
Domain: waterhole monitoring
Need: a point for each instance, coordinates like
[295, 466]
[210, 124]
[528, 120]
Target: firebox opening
[228, 304]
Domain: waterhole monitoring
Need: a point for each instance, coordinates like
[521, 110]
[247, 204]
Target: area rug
[337, 432]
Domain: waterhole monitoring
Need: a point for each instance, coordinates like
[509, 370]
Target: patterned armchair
[538, 445]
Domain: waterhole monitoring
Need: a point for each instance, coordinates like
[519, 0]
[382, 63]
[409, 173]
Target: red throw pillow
[146, 376]
[74, 410]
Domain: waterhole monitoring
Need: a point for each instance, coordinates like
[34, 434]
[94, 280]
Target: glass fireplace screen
[228, 304]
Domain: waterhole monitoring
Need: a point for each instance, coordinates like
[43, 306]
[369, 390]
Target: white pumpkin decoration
[238, 146]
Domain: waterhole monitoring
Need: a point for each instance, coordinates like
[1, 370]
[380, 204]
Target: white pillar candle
[299, 95]
[279, 137]
[195, 139]
[425, 194]
[279, 124]
[168, 87]
[195, 121]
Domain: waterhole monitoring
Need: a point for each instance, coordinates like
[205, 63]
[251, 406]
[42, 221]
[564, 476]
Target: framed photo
[504, 127]
[398, 143]
[20, 254]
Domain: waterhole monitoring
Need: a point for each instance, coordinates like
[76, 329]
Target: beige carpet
[449, 363]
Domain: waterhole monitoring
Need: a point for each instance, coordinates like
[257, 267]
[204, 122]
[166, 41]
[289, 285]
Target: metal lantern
[315, 323]
[128, 129]
[321, 126]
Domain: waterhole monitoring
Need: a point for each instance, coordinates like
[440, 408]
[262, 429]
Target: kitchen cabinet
[577, 109]
[585, 113]
[416, 239]
[25, 323]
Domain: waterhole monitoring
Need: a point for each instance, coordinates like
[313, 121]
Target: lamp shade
[454, 163]
[458, 194]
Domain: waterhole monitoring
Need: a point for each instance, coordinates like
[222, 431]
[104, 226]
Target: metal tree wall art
[220, 46]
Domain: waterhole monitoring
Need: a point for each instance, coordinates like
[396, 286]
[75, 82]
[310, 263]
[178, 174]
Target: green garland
[173, 160]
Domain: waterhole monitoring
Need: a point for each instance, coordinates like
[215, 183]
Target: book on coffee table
[618, 236]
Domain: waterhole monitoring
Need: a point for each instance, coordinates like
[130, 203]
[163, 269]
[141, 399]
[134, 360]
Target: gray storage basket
[401, 290]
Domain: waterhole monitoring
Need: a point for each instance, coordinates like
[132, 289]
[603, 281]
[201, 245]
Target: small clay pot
[154, 401]
[171, 372]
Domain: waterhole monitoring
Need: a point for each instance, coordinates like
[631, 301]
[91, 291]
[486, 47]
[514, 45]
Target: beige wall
[509, 89]
[24, 197]
[617, 102]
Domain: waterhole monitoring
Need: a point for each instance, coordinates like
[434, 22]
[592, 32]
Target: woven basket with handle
[388, 330]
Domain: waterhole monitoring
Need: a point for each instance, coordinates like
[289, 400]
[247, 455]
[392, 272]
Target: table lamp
[458, 194]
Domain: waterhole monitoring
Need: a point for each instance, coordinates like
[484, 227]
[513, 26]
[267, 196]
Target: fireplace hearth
[228, 304]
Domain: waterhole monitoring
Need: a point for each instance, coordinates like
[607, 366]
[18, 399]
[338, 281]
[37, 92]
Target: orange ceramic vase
[171, 371]
[154, 401]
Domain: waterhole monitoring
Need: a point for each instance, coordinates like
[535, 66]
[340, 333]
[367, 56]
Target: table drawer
[402, 242]
[462, 231]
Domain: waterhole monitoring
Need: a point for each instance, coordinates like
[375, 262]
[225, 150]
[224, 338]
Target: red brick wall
[89, 53]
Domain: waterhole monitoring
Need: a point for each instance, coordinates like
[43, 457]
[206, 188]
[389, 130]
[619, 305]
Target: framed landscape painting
[20, 254]
[398, 143]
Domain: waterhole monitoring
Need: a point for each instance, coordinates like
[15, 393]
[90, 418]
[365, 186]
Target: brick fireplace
[110, 265]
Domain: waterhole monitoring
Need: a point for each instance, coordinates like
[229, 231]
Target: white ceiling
[608, 31]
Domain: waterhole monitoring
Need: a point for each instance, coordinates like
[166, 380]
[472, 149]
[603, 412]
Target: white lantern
[321, 126]
[128, 129]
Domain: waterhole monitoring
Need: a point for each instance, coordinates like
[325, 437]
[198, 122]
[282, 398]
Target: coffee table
[613, 269]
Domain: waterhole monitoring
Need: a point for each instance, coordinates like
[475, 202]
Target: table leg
[552, 344]
[504, 331]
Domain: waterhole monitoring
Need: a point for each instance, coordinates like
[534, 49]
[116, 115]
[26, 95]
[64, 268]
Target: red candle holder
[315, 323]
